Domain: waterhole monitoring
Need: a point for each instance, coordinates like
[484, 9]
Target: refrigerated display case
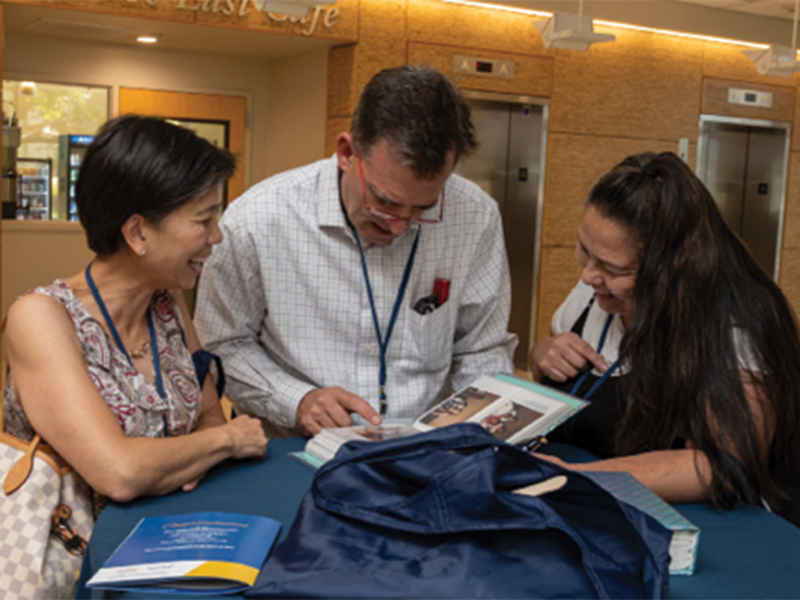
[33, 189]
[71, 150]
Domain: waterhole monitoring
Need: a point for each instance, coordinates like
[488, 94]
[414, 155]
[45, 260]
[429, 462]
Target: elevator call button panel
[471, 65]
[750, 97]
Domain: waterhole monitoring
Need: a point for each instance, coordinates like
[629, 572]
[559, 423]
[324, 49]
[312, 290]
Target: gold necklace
[141, 352]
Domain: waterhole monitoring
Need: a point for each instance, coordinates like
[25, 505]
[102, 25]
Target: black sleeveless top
[594, 427]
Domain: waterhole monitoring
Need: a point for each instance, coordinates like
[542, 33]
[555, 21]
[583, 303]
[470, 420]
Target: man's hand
[331, 407]
[564, 356]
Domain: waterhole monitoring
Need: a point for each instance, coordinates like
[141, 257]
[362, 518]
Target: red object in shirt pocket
[441, 289]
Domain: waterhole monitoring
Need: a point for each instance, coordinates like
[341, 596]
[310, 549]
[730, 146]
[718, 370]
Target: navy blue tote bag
[435, 515]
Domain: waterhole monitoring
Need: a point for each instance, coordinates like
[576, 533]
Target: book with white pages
[513, 410]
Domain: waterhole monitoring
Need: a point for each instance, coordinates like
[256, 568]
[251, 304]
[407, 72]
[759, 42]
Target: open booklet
[513, 410]
[199, 553]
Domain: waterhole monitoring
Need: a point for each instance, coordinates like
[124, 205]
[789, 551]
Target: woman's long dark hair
[699, 295]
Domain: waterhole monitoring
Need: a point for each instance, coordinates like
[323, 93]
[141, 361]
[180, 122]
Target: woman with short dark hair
[686, 349]
[100, 364]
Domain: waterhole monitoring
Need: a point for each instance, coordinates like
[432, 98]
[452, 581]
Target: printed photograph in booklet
[512, 409]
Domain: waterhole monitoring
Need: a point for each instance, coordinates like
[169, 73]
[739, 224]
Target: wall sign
[318, 16]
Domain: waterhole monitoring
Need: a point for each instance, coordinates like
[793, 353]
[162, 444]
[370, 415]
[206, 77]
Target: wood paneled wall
[643, 92]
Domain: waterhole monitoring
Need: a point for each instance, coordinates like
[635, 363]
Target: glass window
[50, 117]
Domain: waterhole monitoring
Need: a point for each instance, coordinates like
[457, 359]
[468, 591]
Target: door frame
[702, 166]
[537, 241]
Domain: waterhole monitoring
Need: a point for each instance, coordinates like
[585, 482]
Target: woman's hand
[554, 459]
[247, 436]
[189, 486]
[564, 356]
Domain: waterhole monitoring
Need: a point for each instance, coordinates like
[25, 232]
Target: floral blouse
[135, 401]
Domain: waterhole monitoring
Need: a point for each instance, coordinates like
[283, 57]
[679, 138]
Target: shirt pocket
[432, 337]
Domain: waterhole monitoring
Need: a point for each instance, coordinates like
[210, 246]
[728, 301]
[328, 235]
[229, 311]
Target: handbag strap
[21, 470]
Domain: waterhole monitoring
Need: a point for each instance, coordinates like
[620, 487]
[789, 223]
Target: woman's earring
[143, 252]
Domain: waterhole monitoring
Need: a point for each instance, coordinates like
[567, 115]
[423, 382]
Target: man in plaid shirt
[365, 284]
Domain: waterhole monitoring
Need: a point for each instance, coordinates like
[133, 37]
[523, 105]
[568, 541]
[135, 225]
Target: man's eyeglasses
[387, 216]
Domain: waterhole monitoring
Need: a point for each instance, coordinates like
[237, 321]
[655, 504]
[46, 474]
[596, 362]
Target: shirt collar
[329, 209]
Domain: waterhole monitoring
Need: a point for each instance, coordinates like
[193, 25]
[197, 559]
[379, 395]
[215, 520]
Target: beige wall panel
[560, 272]
[51, 249]
[341, 81]
[726, 61]
[333, 128]
[574, 163]
[533, 76]
[441, 23]
[791, 215]
[789, 280]
[642, 85]
[381, 39]
[297, 111]
[715, 100]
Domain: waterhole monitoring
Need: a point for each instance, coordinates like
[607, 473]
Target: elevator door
[508, 166]
[744, 168]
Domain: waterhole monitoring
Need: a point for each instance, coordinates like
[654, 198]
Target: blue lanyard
[153, 343]
[605, 375]
[383, 343]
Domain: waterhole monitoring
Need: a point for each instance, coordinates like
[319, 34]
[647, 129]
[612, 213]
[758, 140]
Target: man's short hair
[419, 112]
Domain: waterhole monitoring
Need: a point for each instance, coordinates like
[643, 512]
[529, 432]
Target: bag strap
[21, 470]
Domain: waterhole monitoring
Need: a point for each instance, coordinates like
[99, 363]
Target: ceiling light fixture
[515, 9]
[27, 88]
[571, 32]
[147, 39]
[680, 34]
[614, 24]
[776, 59]
[293, 8]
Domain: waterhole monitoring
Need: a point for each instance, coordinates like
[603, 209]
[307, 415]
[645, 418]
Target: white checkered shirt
[283, 300]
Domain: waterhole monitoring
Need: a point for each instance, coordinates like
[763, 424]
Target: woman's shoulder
[41, 302]
[40, 323]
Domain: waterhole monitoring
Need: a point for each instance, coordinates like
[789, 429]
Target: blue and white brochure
[203, 552]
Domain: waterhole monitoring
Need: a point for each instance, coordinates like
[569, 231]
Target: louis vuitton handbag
[46, 517]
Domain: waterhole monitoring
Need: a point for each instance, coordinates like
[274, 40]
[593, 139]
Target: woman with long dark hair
[686, 349]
